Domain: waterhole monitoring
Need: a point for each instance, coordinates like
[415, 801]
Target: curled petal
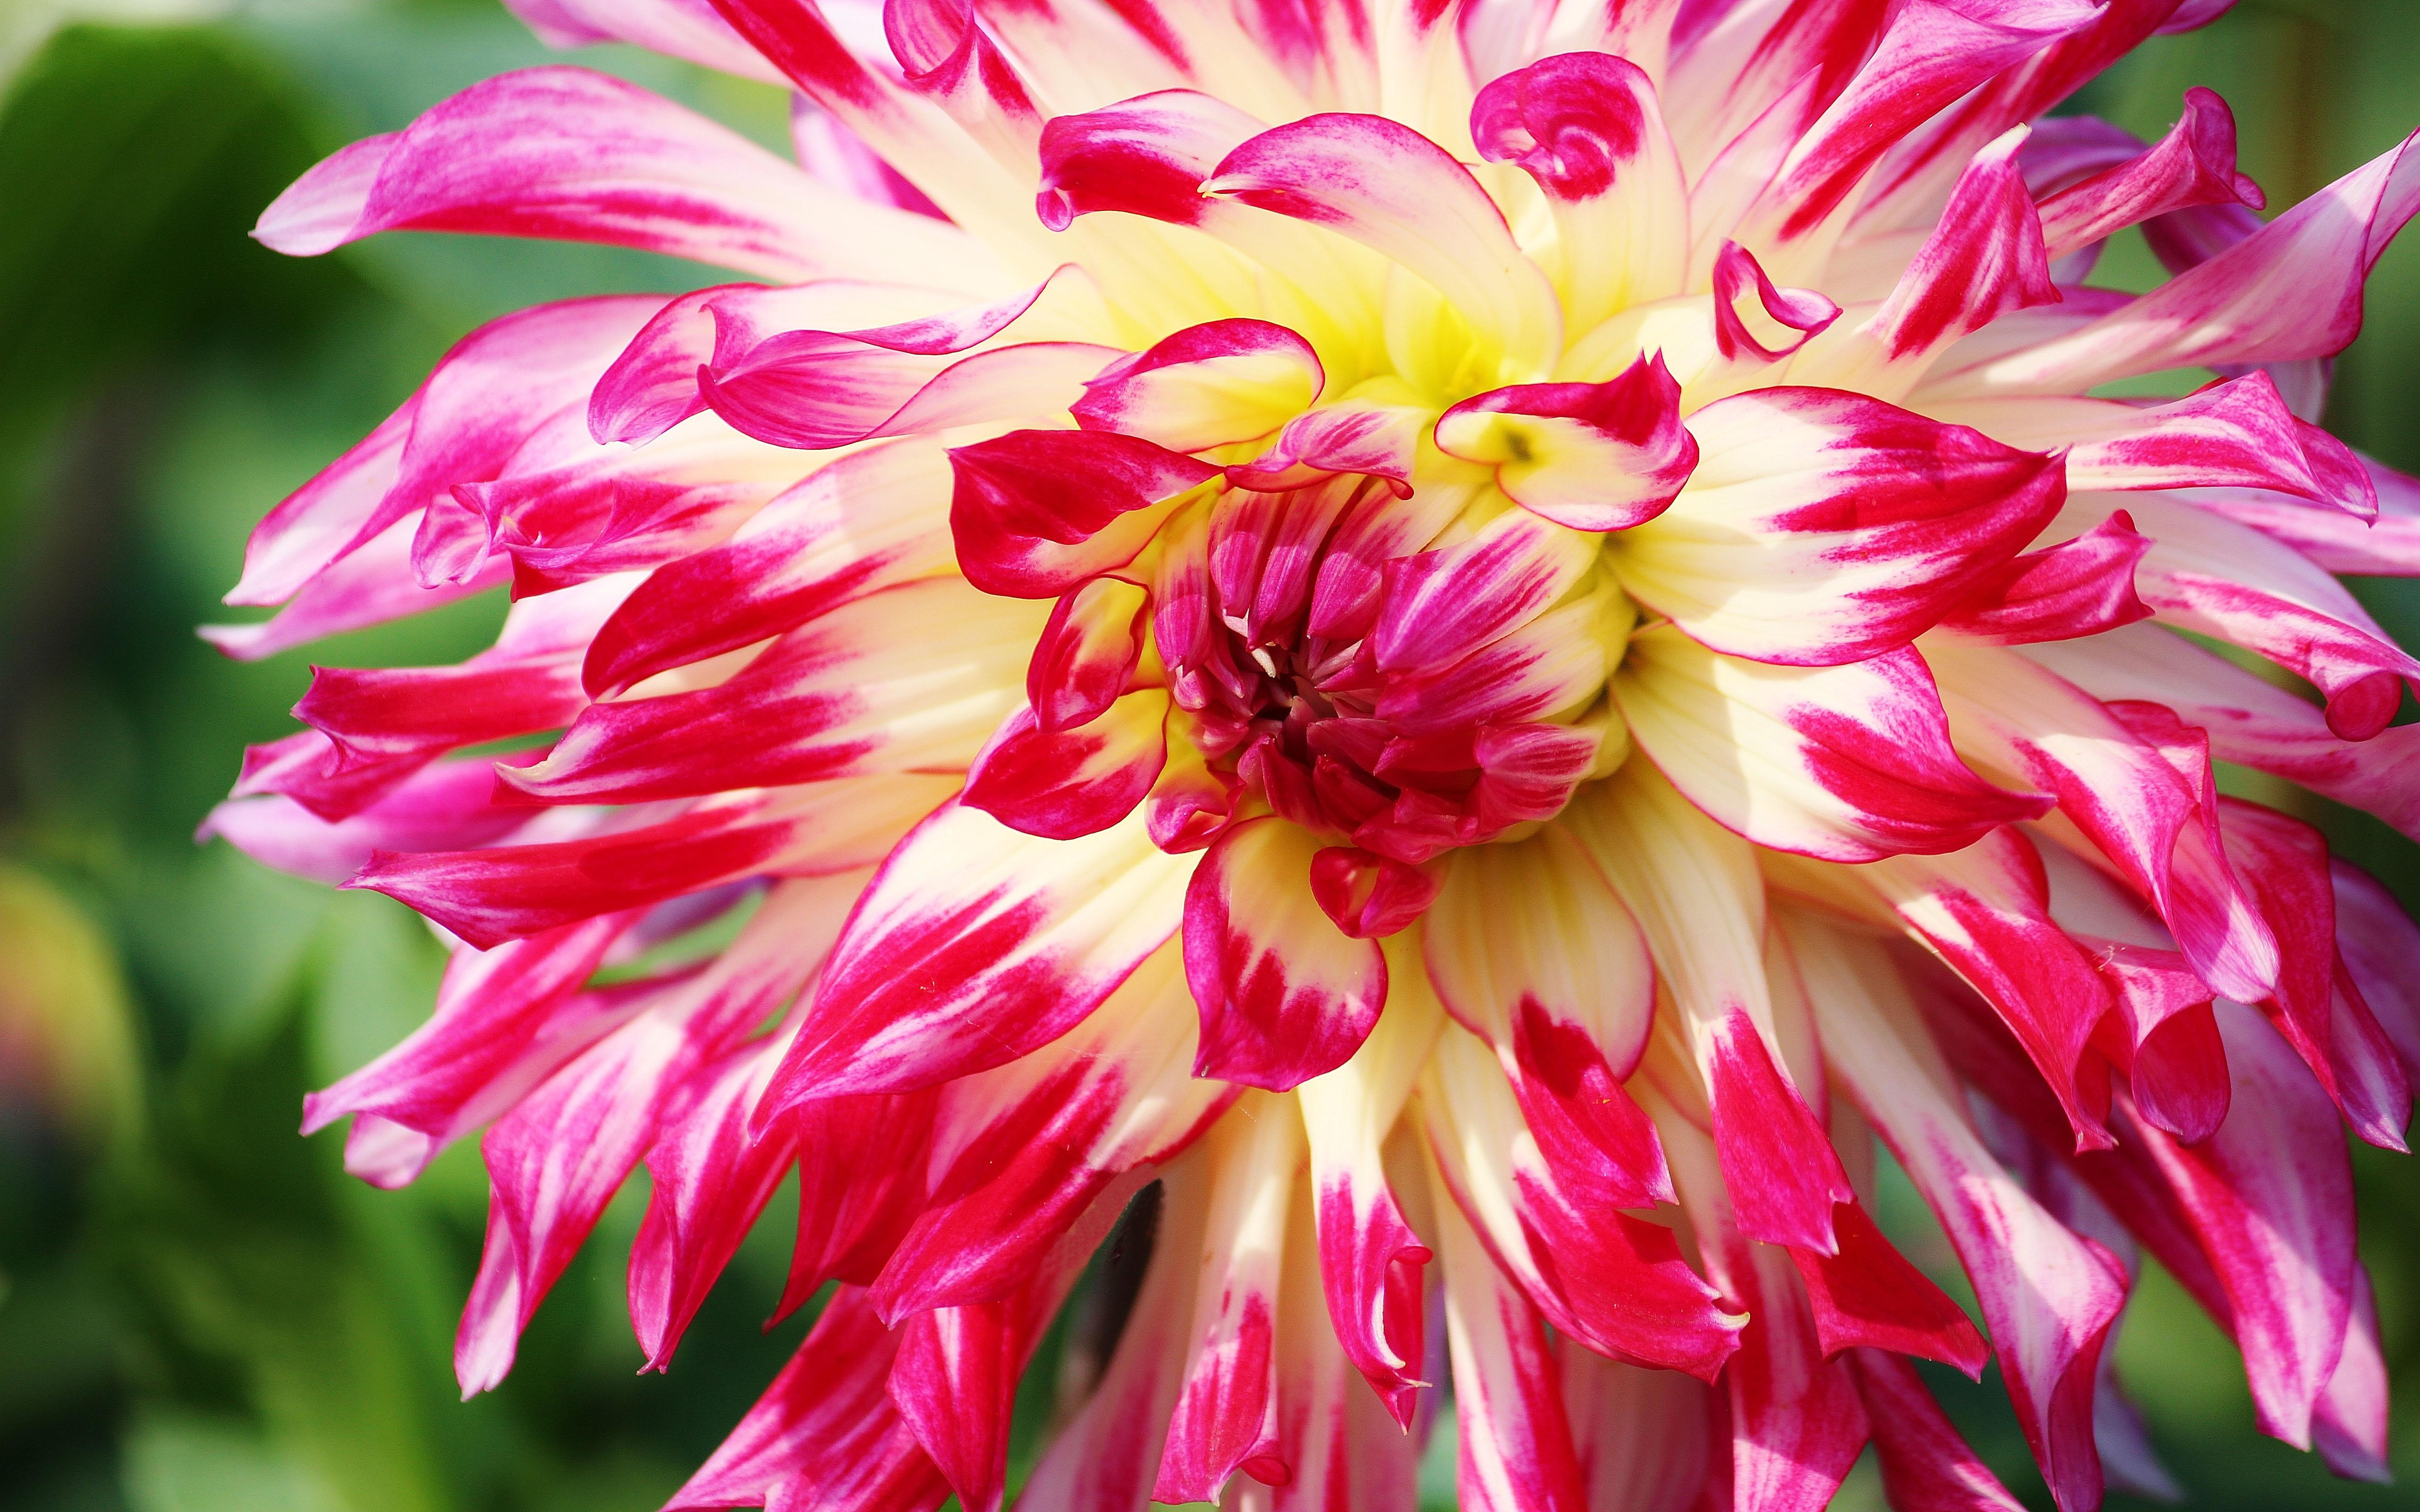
[1595, 457]
[1208, 385]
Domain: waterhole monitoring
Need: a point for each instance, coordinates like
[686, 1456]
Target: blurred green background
[197, 1312]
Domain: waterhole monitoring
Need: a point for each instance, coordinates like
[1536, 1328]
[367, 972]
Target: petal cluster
[1442, 663]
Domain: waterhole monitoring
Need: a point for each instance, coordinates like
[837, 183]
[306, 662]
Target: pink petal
[1515, 1439]
[1985, 912]
[1284, 995]
[566, 153]
[826, 1426]
[1595, 457]
[512, 891]
[1984, 259]
[866, 522]
[1926, 1465]
[2234, 432]
[973, 945]
[913, 678]
[1694, 890]
[708, 1182]
[1022, 531]
[2084, 586]
[1822, 528]
[1369, 1257]
[1067, 783]
[1587, 128]
[1442, 605]
[2048, 1295]
[1849, 763]
[2290, 290]
[1801, 314]
[1021, 1151]
[2193, 165]
[1207, 385]
[1225, 1418]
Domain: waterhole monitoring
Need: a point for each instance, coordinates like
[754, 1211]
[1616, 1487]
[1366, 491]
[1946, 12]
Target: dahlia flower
[1443, 660]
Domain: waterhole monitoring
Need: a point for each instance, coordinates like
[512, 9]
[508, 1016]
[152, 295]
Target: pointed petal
[973, 945]
[568, 153]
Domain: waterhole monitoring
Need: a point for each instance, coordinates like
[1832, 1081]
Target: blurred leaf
[67, 1035]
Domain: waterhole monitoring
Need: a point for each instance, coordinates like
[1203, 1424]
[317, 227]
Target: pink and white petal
[1615, 1283]
[1516, 1452]
[2249, 721]
[317, 523]
[1984, 911]
[975, 944]
[372, 585]
[440, 808]
[2048, 1295]
[558, 1157]
[2136, 785]
[2082, 587]
[1347, 1452]
[1823, 527]
[1781, 321]
[689, 29]
[2375, 940]
[1284, 995]
[1021, 1151]
[1643, 1435]
[1554, 663]
[1067, 783]
[1595, 457]
[2236, 433]
[2290, 290]
[1024, 532]
[2348, 1421]
[512, 891]
[1107, 1459]
[1926, 1464]
[708, 1182]
[2193, 164]
[868, 521]
[1368, 1256]
[2270, 1198]
[505, 1019]
[827, 1426]
[955, 1381]
[1531, 951]
[1985, 259]
[2225, 580]
[1926, 56]
[1383, 184]
[1694, 890]
[1441, 605]
[1360, 436]
[1208, 385]
[861, 1168]
[1586, 128]
[1848, 763]
[576, 155]
[1088, 652]
[1796, 1421]
[914, 678]
[1225, 1418]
